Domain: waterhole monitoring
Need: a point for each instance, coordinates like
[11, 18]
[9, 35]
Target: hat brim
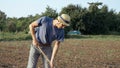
[61, 21]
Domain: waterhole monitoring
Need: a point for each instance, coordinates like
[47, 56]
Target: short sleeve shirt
[46, 32]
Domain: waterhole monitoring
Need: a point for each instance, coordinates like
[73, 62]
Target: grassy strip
[14, 36]
[23, 36]
[96, 37]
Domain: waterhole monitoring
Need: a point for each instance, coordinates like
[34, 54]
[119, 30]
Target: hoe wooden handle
[44, 54]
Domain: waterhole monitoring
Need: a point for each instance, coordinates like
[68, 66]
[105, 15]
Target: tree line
[96, 19]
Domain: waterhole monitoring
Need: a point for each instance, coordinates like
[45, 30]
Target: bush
[14, 36]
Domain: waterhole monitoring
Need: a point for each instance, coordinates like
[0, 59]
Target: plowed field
[73, 53]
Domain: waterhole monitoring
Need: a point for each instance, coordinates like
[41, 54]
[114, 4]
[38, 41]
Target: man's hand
[36, 43]
[51, 65]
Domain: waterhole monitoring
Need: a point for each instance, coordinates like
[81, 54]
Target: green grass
[96, 37]
[14, 36]
[23, 36]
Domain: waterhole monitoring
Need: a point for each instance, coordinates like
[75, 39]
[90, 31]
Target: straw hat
[64, 19]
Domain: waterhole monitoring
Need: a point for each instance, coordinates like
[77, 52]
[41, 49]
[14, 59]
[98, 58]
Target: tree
[94, 23]
[11, 24]
[118, 22]
[23, 23]
[2, 20]
[76, 13]
[50, 12]
[112, 20]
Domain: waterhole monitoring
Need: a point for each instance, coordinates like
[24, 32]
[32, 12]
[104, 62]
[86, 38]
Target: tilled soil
[73, 53]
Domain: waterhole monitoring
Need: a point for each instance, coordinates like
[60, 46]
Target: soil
[73, 53]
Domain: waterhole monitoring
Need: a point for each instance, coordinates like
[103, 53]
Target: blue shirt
[46, 32]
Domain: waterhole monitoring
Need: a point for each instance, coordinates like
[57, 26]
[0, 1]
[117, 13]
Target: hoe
[44, 55]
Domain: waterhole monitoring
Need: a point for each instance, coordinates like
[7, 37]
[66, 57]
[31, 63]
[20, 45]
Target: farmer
[44, 31]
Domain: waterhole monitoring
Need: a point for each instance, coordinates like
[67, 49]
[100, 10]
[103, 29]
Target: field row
[73, 53]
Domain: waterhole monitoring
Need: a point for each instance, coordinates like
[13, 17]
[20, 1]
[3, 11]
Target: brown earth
[73, 53]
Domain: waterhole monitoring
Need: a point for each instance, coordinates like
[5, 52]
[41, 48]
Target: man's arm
[32, 32]
[55, 50]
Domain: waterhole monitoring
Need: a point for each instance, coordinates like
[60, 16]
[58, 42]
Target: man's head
[63, 20]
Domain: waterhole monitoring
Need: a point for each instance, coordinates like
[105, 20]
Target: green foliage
[50, 12]
[11, 25]
[76, 14]
[14, 36]
[91, 20]
[2, 20]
